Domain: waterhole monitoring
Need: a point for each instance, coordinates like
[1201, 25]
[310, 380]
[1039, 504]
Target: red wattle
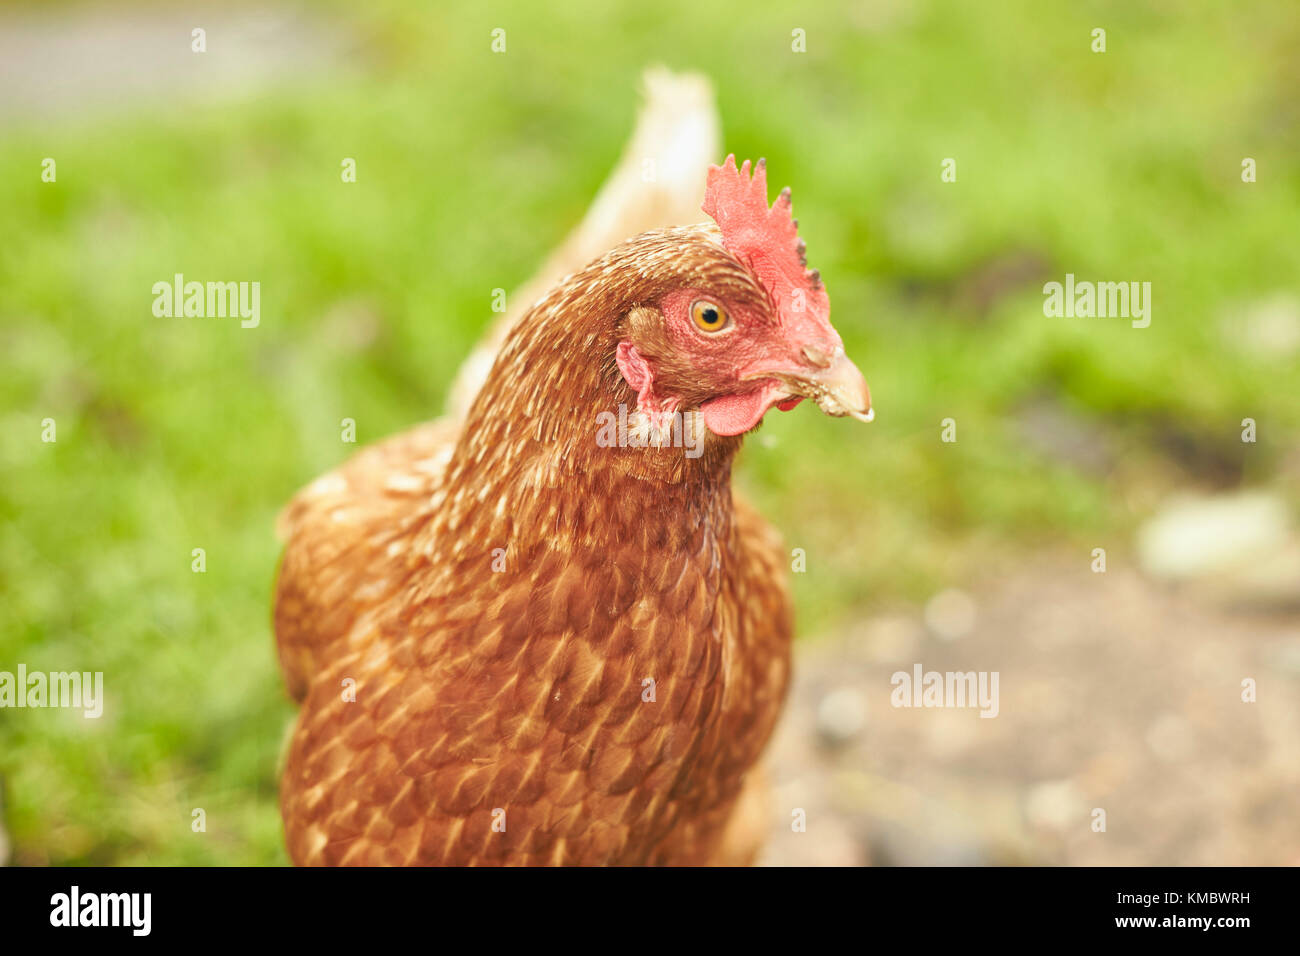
[734, 414]
[738, 413]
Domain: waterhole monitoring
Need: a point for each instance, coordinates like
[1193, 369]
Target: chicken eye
[709, 316]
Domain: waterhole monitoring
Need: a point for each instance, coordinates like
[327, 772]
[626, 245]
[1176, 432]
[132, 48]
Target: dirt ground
[1115, 693]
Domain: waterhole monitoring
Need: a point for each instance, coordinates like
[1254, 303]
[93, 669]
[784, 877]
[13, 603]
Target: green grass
[176, 434]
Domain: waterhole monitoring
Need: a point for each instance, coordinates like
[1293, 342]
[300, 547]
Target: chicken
[535, 636]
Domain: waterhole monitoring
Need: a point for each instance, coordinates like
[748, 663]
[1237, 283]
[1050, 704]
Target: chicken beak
[839, 389]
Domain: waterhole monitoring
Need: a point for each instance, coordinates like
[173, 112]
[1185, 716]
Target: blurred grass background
[176, 434]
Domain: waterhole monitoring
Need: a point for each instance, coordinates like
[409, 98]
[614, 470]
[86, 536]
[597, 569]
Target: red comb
[767, 240]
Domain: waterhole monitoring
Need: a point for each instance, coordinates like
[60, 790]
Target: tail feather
[658, 181]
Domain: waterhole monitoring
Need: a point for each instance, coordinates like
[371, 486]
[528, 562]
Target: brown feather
[516, 694]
